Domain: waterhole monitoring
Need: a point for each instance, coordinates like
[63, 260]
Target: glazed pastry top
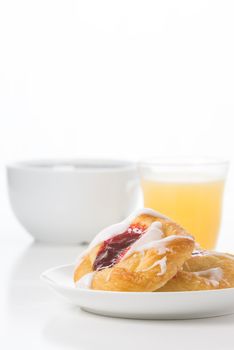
[142, 231]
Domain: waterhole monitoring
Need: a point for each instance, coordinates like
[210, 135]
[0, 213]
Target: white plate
[163, 305]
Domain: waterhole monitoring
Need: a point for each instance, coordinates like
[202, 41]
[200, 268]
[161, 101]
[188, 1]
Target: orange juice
[196, 206]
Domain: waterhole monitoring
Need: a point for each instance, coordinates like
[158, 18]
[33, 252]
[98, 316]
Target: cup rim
[183, 161]
[79, 165]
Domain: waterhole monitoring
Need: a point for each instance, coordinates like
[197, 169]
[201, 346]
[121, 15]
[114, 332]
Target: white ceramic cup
[71, 201]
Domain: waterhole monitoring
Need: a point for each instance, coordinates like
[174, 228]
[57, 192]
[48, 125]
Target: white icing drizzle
[153, 233]
[108, 275]
[213, 276]
[85, 281]
[109, 232]
[116, 229]
[122, 226]
[162, 263]
[151, 239]
[209, 253]
[163, 266]
[160, 245]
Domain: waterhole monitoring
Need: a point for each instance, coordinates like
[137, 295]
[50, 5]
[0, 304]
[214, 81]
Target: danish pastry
[205, 270]
[142, 253]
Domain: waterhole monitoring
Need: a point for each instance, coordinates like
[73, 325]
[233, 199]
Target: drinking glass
[189, 191]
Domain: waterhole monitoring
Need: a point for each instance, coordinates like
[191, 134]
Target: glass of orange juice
[187, 190]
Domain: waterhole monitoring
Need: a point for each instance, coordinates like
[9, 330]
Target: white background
[122, 79]
[116, 79]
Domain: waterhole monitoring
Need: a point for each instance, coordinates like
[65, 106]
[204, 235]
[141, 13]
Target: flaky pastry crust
[203, 271]
[145, 270]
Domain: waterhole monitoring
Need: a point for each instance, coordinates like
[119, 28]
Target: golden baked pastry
[205, 270]
[141, 253]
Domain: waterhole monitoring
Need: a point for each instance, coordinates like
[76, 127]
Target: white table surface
[34, 317]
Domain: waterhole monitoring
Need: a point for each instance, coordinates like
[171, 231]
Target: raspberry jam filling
[113, 249]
